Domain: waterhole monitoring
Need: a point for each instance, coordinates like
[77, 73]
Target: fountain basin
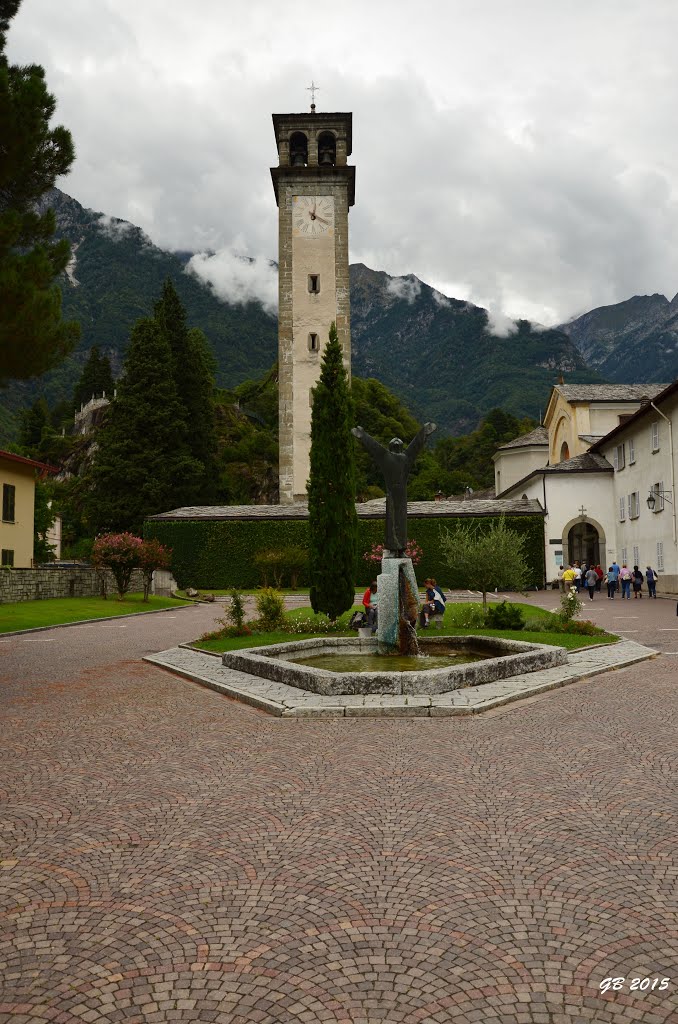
[500, 658]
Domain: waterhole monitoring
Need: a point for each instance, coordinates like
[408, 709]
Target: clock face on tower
[312, 216]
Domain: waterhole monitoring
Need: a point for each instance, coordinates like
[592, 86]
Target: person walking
[637, 583]
[611, 584]
[577, 575]
[568, 578]
[626, 576]
[591, 581]
[615, 570]
[599, 574]
[651, 577]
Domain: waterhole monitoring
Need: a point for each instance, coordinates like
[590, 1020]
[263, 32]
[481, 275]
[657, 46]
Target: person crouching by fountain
[370, 605]
[434, 603]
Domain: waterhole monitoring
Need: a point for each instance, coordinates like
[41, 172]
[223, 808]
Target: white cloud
[499, 324]
[519, 150]
[238, 279]
[114, 228]
[408, 288]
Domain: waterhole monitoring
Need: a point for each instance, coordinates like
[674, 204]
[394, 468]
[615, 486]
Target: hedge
[218, 553]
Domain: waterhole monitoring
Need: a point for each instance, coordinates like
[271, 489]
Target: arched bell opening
[298, 150]
[327, 150]
[564, 451]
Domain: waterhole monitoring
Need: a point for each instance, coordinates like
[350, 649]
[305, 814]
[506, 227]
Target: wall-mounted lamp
[654, 495]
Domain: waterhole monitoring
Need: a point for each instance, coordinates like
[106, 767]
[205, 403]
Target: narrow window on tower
[313, 343]
[314, 284]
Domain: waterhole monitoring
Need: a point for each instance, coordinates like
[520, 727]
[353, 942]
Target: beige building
[578, 415]
[17, 483]
[314, 189]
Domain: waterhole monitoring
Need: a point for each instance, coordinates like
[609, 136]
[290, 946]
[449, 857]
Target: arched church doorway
[583, 544]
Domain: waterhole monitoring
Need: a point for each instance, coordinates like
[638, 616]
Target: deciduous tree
[486, 558]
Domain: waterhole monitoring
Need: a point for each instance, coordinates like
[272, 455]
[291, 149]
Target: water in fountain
[408, 609]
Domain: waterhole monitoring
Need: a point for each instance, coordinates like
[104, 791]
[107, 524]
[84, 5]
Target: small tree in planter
[152, 555]
[119, 552]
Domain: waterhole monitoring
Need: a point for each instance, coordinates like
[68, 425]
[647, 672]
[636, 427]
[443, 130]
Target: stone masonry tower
[314, 188]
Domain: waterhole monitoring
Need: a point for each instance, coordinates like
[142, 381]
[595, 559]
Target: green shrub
[270, 565]
[235, 611]
[504, 616]
[583, 628]
[294, 564]
[270, 609]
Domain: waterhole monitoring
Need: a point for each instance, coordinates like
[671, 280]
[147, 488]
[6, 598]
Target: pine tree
[143, 463]
[333, 524]
[96, 378]
[33, 422]
[193, 366]
[33, 337]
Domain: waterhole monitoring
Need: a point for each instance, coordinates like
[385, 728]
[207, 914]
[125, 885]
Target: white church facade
[605, 450]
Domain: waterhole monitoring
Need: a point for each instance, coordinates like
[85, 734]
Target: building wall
[567, 421]
[643, 468]
[18, 536]
[564, 494]
[512, 464]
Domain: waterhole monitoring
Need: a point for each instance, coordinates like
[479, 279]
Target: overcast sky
[520, 155]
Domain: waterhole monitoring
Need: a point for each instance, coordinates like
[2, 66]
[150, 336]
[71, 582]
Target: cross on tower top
[313, 89]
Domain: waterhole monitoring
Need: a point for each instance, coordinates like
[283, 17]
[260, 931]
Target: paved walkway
[171, 855]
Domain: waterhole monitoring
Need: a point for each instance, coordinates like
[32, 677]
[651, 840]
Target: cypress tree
[333, 524]
[143, 463]
[33, 337]
[193, 367]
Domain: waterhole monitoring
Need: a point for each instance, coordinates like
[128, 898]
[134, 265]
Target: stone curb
[86, 622]
[296, 704]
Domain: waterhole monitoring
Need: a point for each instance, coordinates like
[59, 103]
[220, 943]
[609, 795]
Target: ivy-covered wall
[218, 553]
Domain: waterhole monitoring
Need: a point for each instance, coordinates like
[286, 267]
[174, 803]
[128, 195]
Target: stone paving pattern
[283, 699]
[169, 854]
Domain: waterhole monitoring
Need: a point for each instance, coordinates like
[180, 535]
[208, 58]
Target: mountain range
[439, 355]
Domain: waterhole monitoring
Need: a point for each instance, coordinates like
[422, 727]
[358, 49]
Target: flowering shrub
[412, 551]
[152, 555]
[311, 624]
[119, 552]
[570, 605]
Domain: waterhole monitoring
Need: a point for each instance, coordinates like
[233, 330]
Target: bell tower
[314, 188]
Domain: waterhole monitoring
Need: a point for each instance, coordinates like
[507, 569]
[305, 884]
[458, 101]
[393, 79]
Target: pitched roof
[608, 392]
[668, 391]
[11, 457]
[375, 509]
[539, 435]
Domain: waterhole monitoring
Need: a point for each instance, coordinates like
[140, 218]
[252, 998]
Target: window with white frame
[654, 436]
[660, 556]
[632, 452]
[622, 508]
[634, 504]
[625, 557]
[619, 457]
[636, 555]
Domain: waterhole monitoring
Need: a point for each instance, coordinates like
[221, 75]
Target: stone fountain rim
[270, 663]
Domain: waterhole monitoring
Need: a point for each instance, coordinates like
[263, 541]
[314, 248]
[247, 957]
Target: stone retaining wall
[61, 581]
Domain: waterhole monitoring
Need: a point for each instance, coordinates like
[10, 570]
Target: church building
[606, 454]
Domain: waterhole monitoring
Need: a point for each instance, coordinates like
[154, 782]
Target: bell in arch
[298, 150]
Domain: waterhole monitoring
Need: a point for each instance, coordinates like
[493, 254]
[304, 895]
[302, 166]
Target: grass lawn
[57, 610]
[460, 620]
[285, 591]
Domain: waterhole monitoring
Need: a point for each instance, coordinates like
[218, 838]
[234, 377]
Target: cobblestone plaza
[170, 854]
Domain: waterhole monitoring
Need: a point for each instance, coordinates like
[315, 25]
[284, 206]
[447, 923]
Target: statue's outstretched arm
[418, 442]
[376, 450]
